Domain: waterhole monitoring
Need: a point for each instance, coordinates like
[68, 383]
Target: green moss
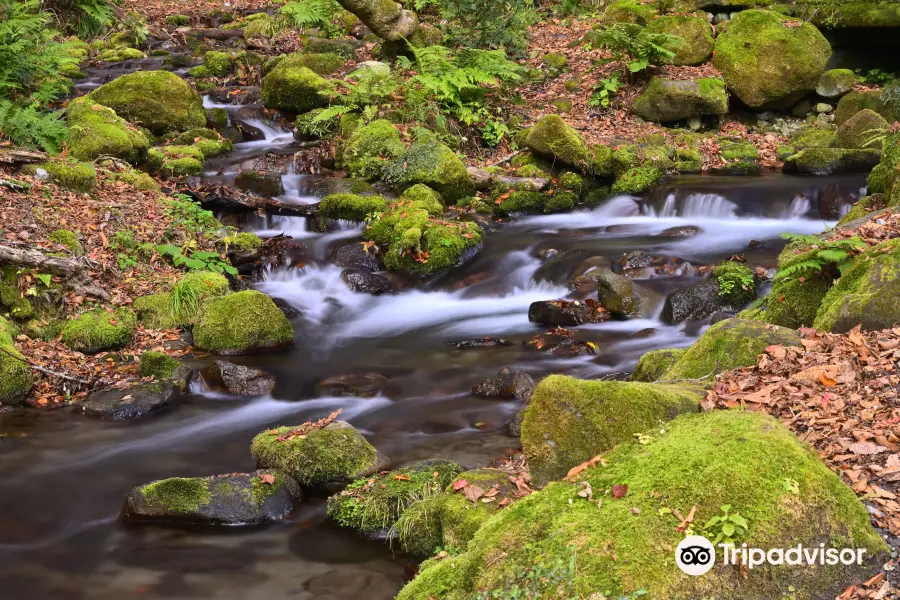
[740, 156]
[627, 11]
[794, 303]
[522, 202]
[16, 379]
[351, 207]
[552, 137]
[219, 64]
[572, 182]
[155, 311]
[67, 239]
[863, 207]
[96, 130]
[727, 345]
[568, 421]
[854, 102]
[654, 364]
[666, 100]
[181, 307]
[637, 181]
[810, 136]
[263, 27]
[419, 529]
[157, 100]
[240, 322]
[305, 124]
[294, 88]
[424, 196]
[243, 242]
[100, 330]
[561, 201]
[688, 160]
[373, 504]
[620, 547]
[861, 130]
[117, 54]
[178, 20]
[178, 494]
[157, 365]
[320, 64]
[736, 282]
[696, 35]
[431, 163]
[835, 82]
[827, 161]
[208, 142]
[176, 161]
[370, 148]
[765, 63]
[335, 453]
[71, 174]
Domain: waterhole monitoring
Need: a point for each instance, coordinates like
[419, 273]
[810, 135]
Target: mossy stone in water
[96, 130]
[854, 102]
[157, 100]
[812, 137]
[334, 453]
[637, 180]
[100, 330]
[218, 63]
[654, 364]
[242, 322]
[294, 88]
[736, 282]
[370, 148]
[16, 379]
[351, 207]
[157, 365]
[707, 460]
[429, 162]
[829, 161]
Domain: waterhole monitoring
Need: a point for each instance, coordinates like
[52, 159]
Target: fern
[32, 129]
[838, 254]
[310, 13]
[637, 47]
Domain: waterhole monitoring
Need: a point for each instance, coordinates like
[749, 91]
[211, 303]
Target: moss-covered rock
[242, 322]
[794, 302]
[810, 136]
[854, 102]
[193, 291]
[209, 142]
[828, 161]
[219, 64]
[867, 294]
[95, 130]
[884, 176]
[835, 83]
[736, 282]
[294, 88]
[552, 137]
[522, 202]
[861, 131]
[840, 14]
[627, 11]
[621, 296]
[696, 35]
[351, 207]
[370, 148]
[243, 242]
[310, 126]
[70, 174]
[569, 421]
[157, 365]
[729, 344]
[637, 180]
[16, 379]
[863, 207]
[176, 161]
[323, 64]
[678, 99]
[768, 59]
[157, 100]
[336, 453]
[425, 196]
[740, 157]
[100, 330]
[654, 364]
[431, 163]
[68, 240]
[620, 547]
[371, 505]
[235, 499]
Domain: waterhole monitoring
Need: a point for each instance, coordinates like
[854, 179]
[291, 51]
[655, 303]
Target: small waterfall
[798, 208]
[711, 206]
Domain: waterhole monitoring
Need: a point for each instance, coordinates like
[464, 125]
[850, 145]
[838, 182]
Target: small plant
[637, 47]
[488, 23]
[824, 255]
[306, 14]
[189, 216]
[605, 90]
[194, 260]
[727, 528]
[876, 76]
[542, 581]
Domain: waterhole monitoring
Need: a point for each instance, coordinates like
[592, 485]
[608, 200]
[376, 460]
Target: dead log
[75, 269]
[211, 34]
[17, 157]
[225, 198]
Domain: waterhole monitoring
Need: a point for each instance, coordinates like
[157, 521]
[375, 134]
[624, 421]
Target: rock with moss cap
[351, 207]
[737, 283]
[637, 180]
[426, 197]
[218, 63]
[729, 344]
[835, 83]
[679, 99]
[862, 130]
[176, 161]
[884, 175]
[654, 364]
[830, 161]
[157, 365]
[157, 100]
[69, 174]
[16, 379]
[264, 496]
[294, 88]
[136, 401]
[317, 458]
[552, 137]
[854, 102]
[323, 64]
[195, 289]
[696, 38]
[96, 130]
[429, 162]
[867, 294]
[627, 11]
[373, 505]
[370, 148]
[569, 421]
[768, 59]
[740, 157]
[100, 330]
[208, 141]
[242, 322]
[810, 136]
[68, 240]
[741, 459]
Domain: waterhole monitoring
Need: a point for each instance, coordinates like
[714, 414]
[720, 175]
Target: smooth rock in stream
[364, 282]
[638, 259]
[567, 314]
[267, 184]
[509, 384]
[249, 133]
[244, 381]
[282, 250]
[681, 231]
[485, 342]
[368, 385]
[695, 302]
[623, 298]
[132, 402]
[830, 202]
[357, 256]
[263, 496]
[237, 95]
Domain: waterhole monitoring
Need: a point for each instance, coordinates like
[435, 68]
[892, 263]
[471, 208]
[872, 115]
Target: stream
[64, 477]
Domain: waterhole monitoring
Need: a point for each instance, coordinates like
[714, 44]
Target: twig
[507, 159]
[45, 370]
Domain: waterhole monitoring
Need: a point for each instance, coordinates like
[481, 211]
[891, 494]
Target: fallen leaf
[619, 491]
[267, 478]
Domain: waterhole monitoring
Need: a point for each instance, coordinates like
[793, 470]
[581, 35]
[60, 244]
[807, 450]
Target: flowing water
[63, 477]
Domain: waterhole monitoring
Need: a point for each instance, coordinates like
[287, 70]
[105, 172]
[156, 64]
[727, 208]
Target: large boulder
[569, 421]
[16, 379]
[862, 130]
[553, 138]
[769, 59]
[295, 88]
[316, 457]
[235, 499]
[854, 102]
[96, 130]
[694, 302]
[242, 322]
[563, 313]
[867, 294]
[696, 38]
[369, 149]
[157, 100]
[729, 344]
[831, 161]
[679, 99]
[133, 402]
[626, 540]
[429, 162]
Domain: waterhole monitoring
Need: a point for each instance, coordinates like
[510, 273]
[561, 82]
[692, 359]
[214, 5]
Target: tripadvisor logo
[696, 555]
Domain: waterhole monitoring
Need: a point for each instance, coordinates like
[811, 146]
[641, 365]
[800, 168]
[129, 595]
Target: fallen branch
[74, 268]
[225, 198]
[507, 159]
[212, 34]
[45, 370]
[14, 157]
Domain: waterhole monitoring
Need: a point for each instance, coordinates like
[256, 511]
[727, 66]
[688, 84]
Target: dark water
[63, 477]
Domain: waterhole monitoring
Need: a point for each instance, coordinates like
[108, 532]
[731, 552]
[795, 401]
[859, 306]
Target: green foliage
[195, 260]
[190, 216]
[727, 528]
[488, 23]
[636, 46]
[605, 90]
[32, 128]
[310, 13]
[87, 18]
[541, 581]
[876, 76]
[822, 255]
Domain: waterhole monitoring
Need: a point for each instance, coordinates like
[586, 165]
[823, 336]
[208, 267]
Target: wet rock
[566, 314]
[237, 95]
[622, 297]
[244, 381]
[267, 184]
[643, 333]
[364, 282]
[357, 256]
[722, 315]
[368, 385]
[830, 202]
[681, 231]
[248, 132]
[282, 250]
[665, 100]
[263, 496]
[560, 342]
[693, 303]
[326, 186]
[486, 342]
[559, 265]
[509, 384]
[243, 322]
[130, 403]
[633, 260]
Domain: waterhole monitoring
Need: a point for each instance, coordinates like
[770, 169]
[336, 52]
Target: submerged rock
[244, 381]
[368, 385]
[486, 342]
[509, 384]
[364, 282]
[564, 313]
[254, 498]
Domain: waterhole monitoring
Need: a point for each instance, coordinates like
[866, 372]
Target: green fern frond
[800, 267]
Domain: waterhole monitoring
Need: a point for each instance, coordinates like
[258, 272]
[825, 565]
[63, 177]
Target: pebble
[823, 108]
